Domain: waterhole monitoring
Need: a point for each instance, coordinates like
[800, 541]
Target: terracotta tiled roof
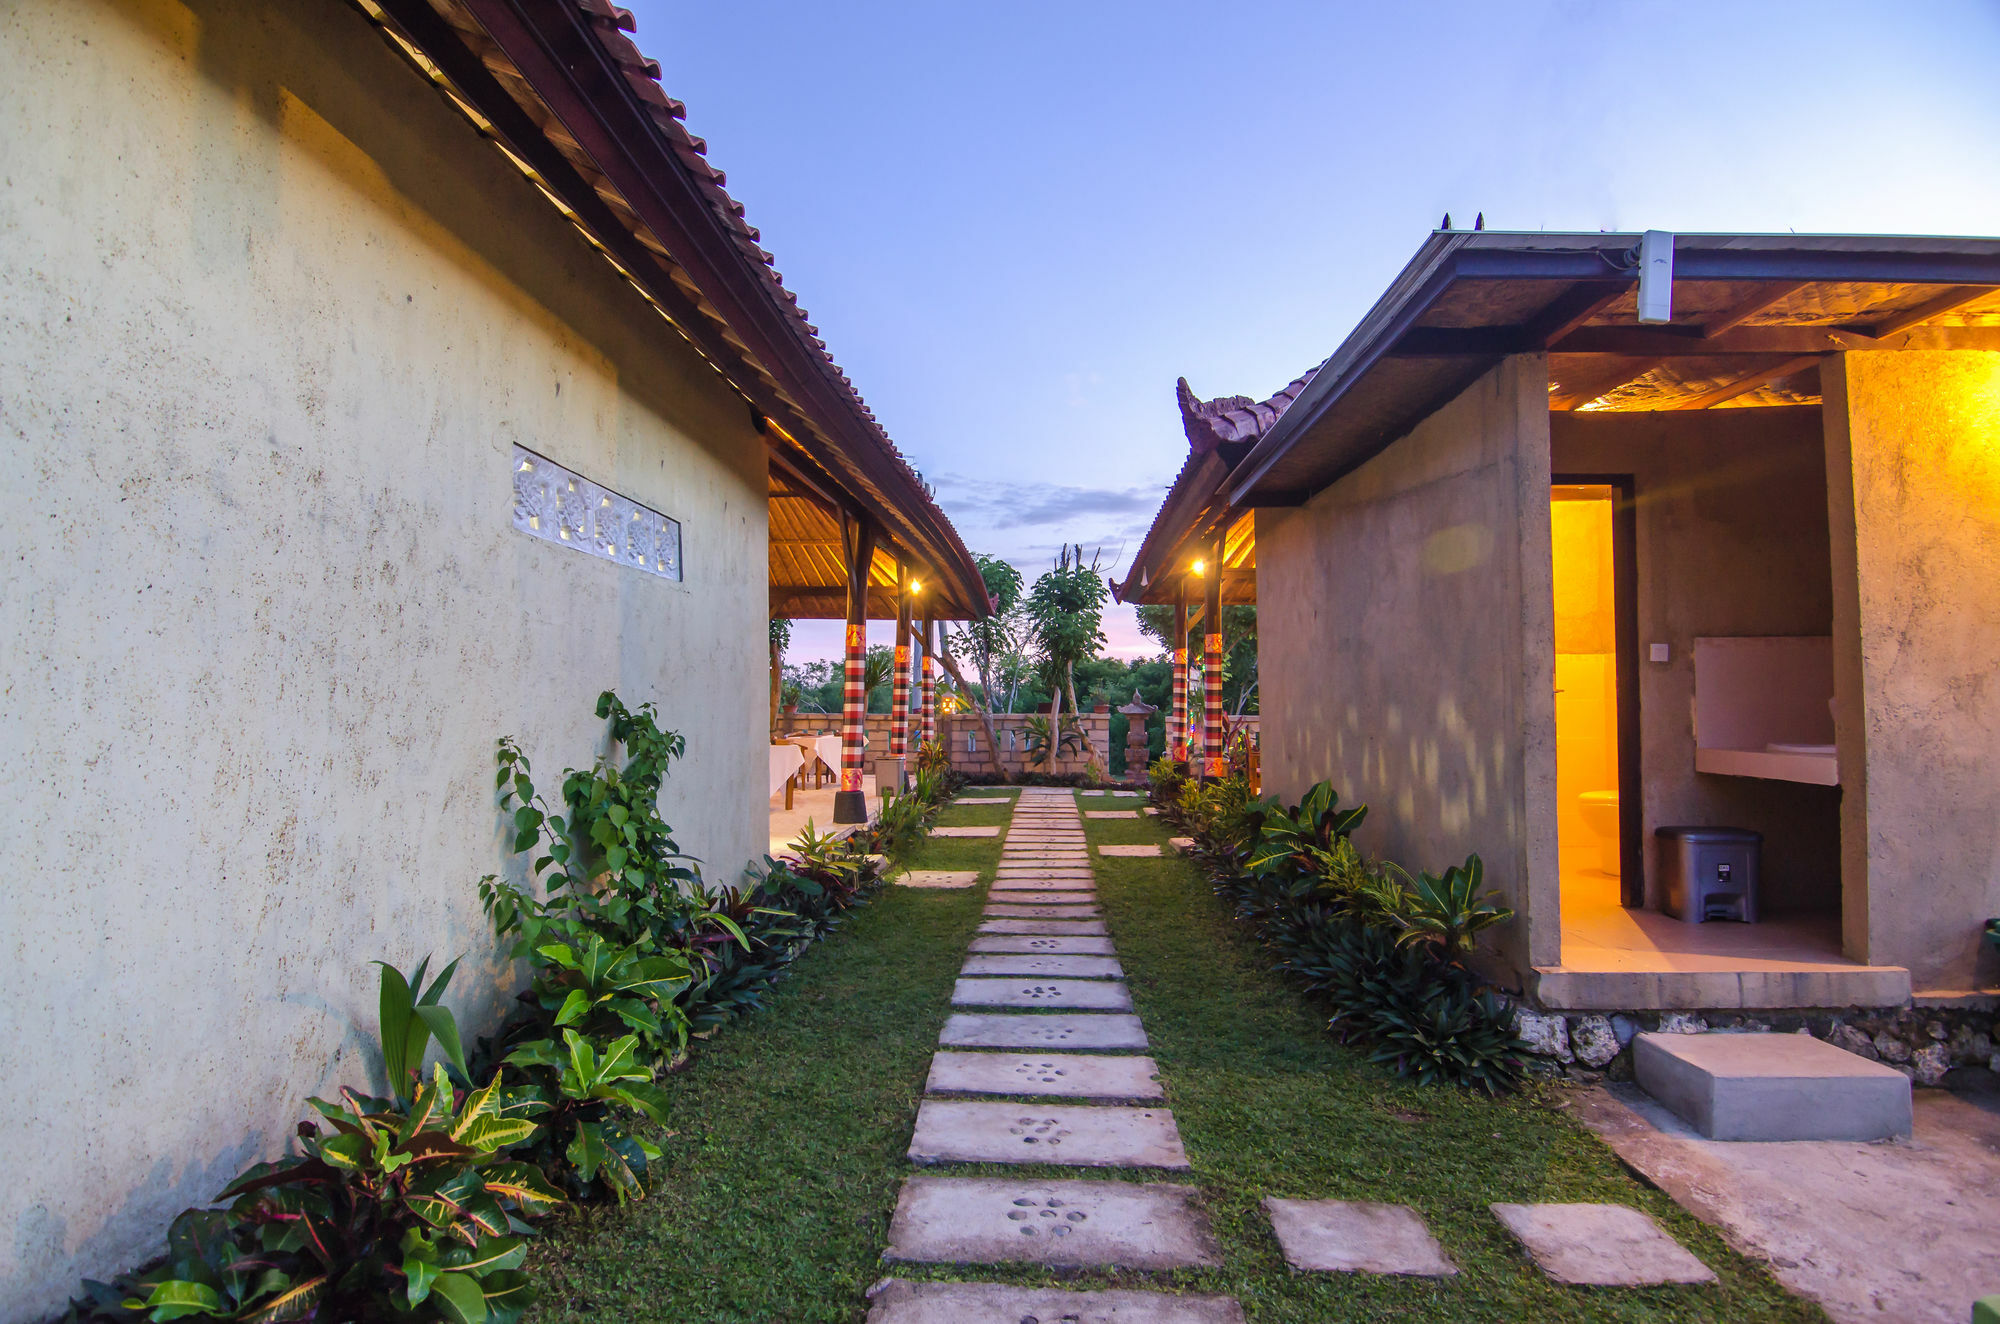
[1232, 418]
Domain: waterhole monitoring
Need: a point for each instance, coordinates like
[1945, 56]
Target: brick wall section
[966, 740]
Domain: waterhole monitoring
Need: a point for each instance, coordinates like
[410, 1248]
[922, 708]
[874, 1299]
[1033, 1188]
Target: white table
[785, 761]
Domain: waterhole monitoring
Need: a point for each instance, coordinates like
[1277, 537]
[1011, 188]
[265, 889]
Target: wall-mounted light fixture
[1198, 566]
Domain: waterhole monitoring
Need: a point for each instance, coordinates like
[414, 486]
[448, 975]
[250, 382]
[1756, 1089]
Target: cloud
[1004, 504]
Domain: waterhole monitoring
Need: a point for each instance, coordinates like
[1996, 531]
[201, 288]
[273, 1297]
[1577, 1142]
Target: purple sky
[1017, 224]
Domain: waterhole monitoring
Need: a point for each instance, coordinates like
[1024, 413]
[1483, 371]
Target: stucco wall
[1731, 539]
[1406, 647]
[1913, 472]
[271, 317]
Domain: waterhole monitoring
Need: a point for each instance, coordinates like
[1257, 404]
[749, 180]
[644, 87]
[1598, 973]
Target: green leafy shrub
[1164, 779]
[399, 1209]
[1447, 913]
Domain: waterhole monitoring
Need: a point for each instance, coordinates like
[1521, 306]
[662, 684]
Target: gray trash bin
[1710, 872]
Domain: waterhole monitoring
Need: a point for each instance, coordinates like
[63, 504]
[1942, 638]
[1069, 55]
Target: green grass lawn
[773, 1199]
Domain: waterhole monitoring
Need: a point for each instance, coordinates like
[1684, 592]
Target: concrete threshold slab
[1562, 988]
[1356, 1236]
[1053, 1075]
[1073, 1030]
[901, 1302]
[1772, 1087]
[1016, 942]
[996, 1220]
[1028, 992]
[1600, 1245]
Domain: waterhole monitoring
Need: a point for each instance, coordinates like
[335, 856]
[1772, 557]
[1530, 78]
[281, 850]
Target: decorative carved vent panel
[552, 502]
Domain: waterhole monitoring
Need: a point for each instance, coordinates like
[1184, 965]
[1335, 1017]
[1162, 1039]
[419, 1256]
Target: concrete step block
[1772, 1087]
[902, 1302]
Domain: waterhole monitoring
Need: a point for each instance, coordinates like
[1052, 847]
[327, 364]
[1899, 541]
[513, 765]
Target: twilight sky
[1017, 224]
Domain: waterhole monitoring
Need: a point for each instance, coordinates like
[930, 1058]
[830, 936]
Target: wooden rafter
[1766, 298]
[1746, 383]
[1955, 297]
[1600, 384]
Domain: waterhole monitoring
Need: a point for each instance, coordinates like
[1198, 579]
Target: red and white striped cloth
[853, 708]
[929, 700]
[1178, 714]
[899, 705]
[1211, 667]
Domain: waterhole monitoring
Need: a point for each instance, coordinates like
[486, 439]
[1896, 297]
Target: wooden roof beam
[1767, 298]
[1746, 383]
[1949, 300]
[1600, 384]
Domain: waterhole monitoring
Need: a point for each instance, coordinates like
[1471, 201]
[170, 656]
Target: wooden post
[850, 803]
[1211, 664]
[899, 687]
[1177, 714]
[930, 680]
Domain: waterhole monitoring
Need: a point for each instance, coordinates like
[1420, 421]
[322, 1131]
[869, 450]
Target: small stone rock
[1621, 1068]
[1680, 1022]
[1624, 1027]
[1545, 1036]
[1970, 1047]
[1593, 1040]
[1930, 1065]
[1851, 1039]
[1892, 1049]
[1935, 1030]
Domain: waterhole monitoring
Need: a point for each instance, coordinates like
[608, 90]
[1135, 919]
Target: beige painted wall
[1406, 642]
[1732, 540]
[1913, 475]
[271, 317]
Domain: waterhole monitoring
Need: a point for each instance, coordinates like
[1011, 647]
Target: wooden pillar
[1211, 666]
[850, 804]
[930, 680]
[1177, 712]
[899, 687]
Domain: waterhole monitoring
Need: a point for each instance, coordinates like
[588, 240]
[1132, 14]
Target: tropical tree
[985, 642]
[1239, 651]
[1066, 609]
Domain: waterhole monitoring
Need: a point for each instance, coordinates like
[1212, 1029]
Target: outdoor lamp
[1197, 566]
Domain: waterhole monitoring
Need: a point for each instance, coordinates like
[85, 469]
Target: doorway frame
[1625, 671]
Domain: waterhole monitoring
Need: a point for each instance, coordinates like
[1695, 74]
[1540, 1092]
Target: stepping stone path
[1349, 1236]
[1063, 1049]
[1600, 1245]
[938, 878]
[965, 831]
[1129, 852]
[1110, 813]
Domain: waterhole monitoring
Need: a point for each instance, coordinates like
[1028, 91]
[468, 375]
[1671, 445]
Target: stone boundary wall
[1924, 1043]
[965, 738]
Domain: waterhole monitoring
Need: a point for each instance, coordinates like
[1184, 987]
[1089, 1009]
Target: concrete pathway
[1041, 1063]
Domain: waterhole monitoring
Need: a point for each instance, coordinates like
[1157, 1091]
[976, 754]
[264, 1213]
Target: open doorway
[1597, 810]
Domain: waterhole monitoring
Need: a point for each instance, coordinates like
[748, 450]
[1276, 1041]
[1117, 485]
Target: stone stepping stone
[938, 878]
[1356, 1236]
[1110, 813]
[1075, 873]
[1081, 1030]
[1077, 1136]
[1057, 1075]
[1065, 994]
[1076, 911]
[1042, 943]
[1043, 896]
[1082, 928]
[899, 1301]
[984, 800]
[1124, 795]
[965, 832]
[1058, 967]
[1150, 811]
[1185, 845]
[1600, 1245]
[1129, 852]
[1079, 1224]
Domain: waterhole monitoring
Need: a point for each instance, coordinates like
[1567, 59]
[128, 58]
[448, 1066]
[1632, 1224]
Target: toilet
[1600, 815]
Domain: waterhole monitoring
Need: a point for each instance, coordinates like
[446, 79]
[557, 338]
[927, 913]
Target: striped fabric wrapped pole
[929, 683]
[1177, 709]
[853, 710]
[1211, 669]
[1211, 666]
[899, 686]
